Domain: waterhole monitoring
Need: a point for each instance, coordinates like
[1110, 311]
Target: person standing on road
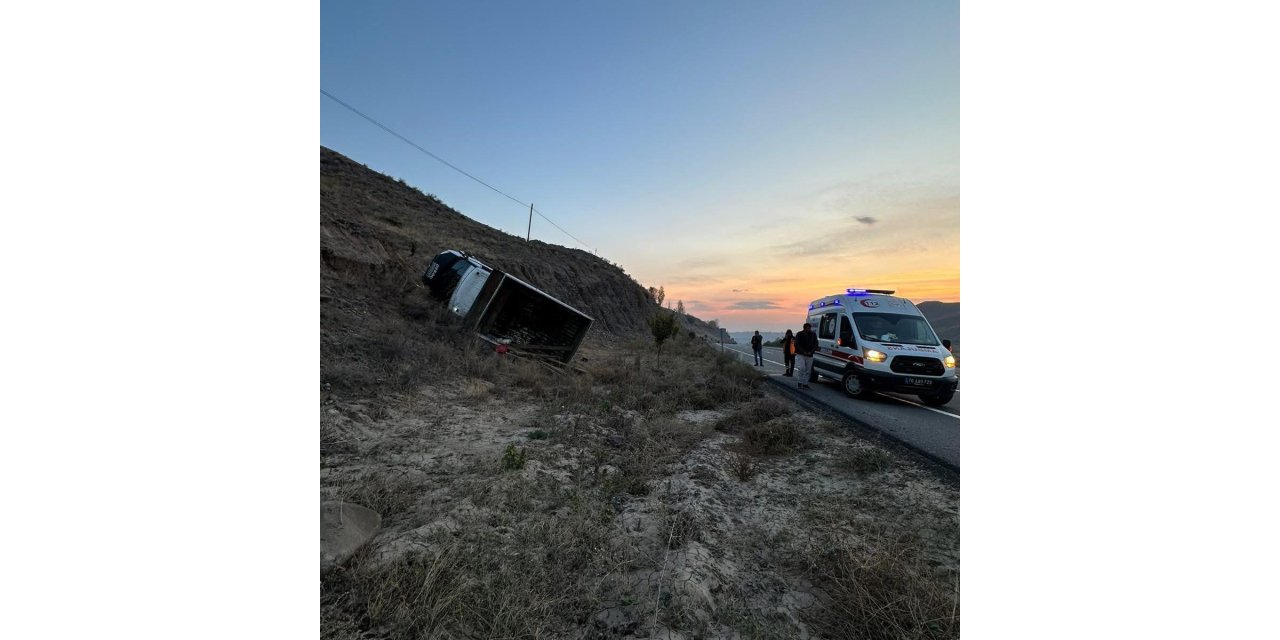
[757, 345]
[789, 353]
[806, 344]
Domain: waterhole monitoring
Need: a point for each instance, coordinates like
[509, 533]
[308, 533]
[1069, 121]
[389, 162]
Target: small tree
[662, 295]
[663, 325]
[680, 307]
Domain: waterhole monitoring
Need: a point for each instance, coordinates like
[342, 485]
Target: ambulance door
[846, 342]
[824, 360]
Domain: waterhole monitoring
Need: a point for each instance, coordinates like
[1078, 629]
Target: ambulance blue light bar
[833, 303]
[863, 292]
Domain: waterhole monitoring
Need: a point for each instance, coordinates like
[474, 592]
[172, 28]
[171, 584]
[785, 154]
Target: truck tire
[937, 400]
[853, 386]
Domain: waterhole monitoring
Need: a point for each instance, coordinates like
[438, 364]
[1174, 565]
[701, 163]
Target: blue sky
[707, 147]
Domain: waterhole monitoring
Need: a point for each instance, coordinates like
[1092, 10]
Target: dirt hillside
[376, 228]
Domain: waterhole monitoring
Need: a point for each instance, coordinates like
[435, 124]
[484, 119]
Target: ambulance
[871, 341]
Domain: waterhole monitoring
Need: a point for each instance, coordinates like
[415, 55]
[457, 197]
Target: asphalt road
[934, 431]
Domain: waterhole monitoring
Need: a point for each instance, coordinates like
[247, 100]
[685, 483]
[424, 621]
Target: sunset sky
[746, 156]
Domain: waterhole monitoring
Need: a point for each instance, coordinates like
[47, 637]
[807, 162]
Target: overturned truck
[502, 308]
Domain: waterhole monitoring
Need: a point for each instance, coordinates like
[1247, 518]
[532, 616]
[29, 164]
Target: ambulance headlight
[873, 355]
[950, 361]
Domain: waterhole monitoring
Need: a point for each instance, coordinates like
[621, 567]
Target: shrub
[756, 412]
[773, 438]
[865, 460]
[741, 465]
[511, 459]
[476, 390]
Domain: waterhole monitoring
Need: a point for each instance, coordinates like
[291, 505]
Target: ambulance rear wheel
[853, 386]
[937, 400]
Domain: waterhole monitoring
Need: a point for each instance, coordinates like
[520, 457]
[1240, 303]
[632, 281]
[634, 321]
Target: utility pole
[529, 232]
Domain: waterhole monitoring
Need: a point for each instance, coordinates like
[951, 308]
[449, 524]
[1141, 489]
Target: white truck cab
[459, 276]
[870, 340]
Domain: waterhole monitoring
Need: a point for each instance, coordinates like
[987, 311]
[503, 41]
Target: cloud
[741, 290]
[811, 247]
[750, 305]
[868, 220]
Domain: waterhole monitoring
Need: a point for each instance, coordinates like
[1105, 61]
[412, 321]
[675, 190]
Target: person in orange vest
[789, 353]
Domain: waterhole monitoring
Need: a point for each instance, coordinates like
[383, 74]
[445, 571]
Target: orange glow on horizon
[784, 305]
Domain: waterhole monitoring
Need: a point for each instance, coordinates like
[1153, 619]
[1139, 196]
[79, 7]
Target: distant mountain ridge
[744, 337]
[944, 317]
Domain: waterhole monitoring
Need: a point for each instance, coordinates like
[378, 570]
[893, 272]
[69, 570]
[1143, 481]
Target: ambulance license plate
[919, 382]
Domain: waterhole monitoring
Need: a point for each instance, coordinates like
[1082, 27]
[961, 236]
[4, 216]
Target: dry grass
[741, 465]
[390, 493]
[885, 593]
[865, 460]
[776, 437]
[520, 573]
[475, 390]
[755, 412]
[537, 555]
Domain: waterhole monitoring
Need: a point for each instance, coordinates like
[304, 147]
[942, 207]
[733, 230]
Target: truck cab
[870, 340]
[456, 277]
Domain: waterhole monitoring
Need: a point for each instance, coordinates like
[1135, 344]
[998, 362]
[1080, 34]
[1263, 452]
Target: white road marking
[918, 405]
[753, 357]
[953, 415]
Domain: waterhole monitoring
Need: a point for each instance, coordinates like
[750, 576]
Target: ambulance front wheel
[853, 386]
[937, 400]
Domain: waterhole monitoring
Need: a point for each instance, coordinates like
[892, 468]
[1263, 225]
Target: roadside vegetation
[624, 496]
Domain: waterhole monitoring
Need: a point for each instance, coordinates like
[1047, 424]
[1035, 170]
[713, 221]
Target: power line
[417, 147]
[535, 210]
[449, 164]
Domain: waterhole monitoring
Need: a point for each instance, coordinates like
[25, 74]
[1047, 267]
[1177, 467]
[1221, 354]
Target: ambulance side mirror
[946, 344]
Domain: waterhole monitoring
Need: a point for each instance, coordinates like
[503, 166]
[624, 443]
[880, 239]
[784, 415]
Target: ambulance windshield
[894, 327]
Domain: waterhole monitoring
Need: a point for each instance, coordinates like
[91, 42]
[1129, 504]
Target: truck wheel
[853, 386]
[937, 400]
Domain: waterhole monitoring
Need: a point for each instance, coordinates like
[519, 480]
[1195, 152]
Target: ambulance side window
[827, 330]
[846, 332]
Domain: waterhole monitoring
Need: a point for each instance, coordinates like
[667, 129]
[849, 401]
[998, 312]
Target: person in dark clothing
[806, 344]
[757, 345]
[789, 353]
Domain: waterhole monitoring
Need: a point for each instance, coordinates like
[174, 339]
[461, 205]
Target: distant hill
[945, 318]
[744, 337]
